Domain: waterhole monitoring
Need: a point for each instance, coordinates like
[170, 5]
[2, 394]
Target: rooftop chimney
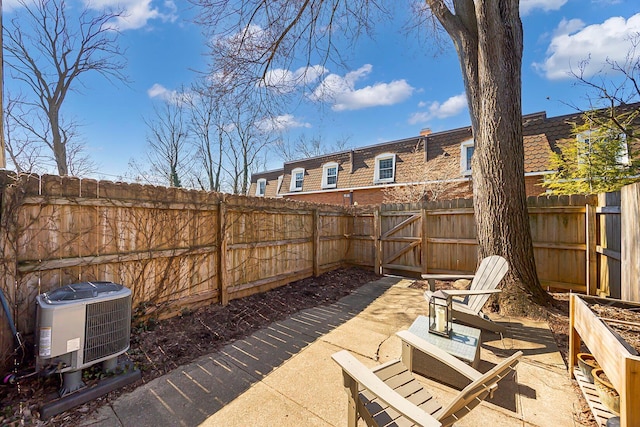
[425, 132]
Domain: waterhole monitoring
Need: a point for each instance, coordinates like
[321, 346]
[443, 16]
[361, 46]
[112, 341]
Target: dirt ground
[159, 347]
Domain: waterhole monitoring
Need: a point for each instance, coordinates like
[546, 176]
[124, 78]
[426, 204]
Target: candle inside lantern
[440, 318]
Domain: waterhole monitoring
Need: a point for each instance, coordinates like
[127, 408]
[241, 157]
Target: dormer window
[297, 179]
[330, 175]
[587, 139]
[466, 153]
[623, 154]
[261, 187]
[584, 140]
[385, 168]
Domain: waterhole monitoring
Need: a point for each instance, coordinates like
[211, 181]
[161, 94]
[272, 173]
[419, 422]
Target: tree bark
[59, 146]
[487, 35]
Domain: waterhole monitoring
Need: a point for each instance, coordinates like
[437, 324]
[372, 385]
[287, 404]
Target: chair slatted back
[477, 391]
[489, 274]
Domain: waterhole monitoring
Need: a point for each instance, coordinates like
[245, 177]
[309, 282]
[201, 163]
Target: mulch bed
[159, 347]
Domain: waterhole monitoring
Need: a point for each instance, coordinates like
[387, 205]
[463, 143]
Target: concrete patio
[283, 375]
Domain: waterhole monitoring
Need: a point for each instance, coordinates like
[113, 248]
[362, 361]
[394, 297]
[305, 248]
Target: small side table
[464, 344]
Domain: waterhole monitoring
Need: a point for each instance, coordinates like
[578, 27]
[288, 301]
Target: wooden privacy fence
[181, 249]
[174, 248]
[576, 240]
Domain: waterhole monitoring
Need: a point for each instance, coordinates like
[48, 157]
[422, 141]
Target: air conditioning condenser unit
[80, 325]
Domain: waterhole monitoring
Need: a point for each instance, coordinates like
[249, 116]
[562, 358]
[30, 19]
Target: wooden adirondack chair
[485, 282]
[389, 395]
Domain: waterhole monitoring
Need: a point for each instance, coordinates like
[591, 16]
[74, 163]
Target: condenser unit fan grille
[108, 327]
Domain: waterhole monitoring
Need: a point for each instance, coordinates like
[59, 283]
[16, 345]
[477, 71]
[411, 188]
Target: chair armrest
[429, 276]
[463, 292]
[439, 354]
[363, 376]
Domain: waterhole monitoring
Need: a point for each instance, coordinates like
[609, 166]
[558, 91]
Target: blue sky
[393, 87]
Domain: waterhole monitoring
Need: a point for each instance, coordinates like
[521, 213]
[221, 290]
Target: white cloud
[341, 91]
[136, 13]
[158, 91]
[451, 107]
[573, 42]
[527, 6]
[247, 44]
[285, 81]
[566, 27]
[281, 123]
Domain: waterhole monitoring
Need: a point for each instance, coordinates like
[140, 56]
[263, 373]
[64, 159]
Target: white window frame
[292, 185]
[622, 156]
[581, 138]
[376, 174]
[325, 174]
[465, 166]
[260, 192]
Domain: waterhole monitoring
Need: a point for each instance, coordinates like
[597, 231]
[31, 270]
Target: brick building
[370, 175]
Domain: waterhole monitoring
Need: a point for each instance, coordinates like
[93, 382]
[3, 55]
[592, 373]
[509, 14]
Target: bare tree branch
[208, 134]
[25, 153]
[167, 138]
[49, 51]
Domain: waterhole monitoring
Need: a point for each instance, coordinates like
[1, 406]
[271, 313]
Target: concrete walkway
[283, 375]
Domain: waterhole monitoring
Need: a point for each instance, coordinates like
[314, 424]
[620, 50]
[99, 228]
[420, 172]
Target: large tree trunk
[58, 145]
[488, 37]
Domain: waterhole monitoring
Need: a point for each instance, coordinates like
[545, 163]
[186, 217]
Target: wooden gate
[401, 242]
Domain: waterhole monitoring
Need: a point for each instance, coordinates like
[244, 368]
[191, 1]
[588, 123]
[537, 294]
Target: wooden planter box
[618, 359]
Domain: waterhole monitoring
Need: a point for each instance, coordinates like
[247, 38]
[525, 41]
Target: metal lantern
[440, 314]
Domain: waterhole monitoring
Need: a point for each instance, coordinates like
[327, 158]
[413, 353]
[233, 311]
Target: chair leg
[352, 413]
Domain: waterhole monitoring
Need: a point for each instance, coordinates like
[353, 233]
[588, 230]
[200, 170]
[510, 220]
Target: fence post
[630, 250]
[8, 270]
[423, 236]
[223, 279]
[377, 227]
[592, 265]
[316, 243]
[609, 244]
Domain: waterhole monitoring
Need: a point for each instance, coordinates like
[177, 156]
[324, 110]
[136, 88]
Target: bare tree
[209, 133]
[305, 147]
[48, 50]
[615, 87]
[78, 160]
[168, 152]
[247, 143]
[487, 35]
